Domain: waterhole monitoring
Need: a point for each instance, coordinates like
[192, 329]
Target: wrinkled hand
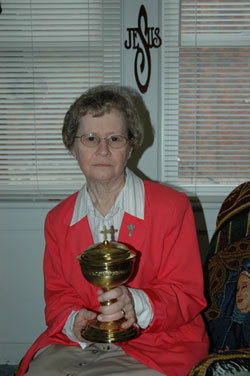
[81, 320]
[114, 311]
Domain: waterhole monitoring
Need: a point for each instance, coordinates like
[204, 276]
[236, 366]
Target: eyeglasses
[91, 140]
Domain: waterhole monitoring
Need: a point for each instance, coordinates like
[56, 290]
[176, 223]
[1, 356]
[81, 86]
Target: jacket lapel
[132, 231]
[79, 236]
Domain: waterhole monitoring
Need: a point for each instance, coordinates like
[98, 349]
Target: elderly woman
[164, 298]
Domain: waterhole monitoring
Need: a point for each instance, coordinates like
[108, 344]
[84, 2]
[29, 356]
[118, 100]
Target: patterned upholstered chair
[227, 279]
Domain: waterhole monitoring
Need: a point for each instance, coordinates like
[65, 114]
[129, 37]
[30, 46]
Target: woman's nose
[103, 147]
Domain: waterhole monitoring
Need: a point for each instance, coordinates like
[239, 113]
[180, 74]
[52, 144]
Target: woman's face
[102, 164]
[243, 293]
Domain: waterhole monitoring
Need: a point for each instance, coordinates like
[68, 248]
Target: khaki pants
[97, 359]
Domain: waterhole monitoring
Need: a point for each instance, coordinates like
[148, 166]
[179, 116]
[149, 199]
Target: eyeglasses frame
[103, 138]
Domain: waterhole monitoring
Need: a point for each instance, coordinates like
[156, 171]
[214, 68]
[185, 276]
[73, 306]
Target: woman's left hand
[123, 307]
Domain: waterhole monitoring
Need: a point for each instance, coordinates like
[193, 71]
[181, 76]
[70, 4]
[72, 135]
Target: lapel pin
[130, 229]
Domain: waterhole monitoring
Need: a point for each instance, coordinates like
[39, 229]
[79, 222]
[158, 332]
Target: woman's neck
[103, 195]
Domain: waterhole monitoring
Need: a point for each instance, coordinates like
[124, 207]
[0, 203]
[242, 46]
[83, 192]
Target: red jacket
[169, 271]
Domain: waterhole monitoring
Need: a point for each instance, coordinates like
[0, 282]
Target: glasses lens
[90, 140]
[116, 141]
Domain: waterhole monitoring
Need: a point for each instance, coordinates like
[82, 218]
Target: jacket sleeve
[176, 291]
[60, 297]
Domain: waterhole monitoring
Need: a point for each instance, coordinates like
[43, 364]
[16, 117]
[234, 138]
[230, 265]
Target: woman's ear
[72, 151]
[130, 152]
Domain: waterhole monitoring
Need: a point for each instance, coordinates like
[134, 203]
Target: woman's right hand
[81, 320]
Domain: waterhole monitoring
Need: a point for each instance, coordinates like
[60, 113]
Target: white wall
[21, 280]
[21, 223]
[148, 163]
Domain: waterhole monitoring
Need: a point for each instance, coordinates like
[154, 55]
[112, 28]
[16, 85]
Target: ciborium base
[108, 332]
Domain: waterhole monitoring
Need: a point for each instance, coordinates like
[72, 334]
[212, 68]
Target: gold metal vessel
[107, 265]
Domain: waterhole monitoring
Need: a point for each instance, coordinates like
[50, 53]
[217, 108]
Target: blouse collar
[131, 199]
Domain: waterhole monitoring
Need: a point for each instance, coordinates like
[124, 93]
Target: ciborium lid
[106, 253]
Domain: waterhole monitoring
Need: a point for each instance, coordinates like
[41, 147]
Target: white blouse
[131, 199]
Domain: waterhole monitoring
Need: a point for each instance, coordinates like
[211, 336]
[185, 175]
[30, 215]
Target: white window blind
[206, 95]
[50, 52]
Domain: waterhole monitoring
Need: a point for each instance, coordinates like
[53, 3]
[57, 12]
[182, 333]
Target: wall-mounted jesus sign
[142, 38]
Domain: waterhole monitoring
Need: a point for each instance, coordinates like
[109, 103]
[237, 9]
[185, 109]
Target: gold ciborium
[107, 265]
